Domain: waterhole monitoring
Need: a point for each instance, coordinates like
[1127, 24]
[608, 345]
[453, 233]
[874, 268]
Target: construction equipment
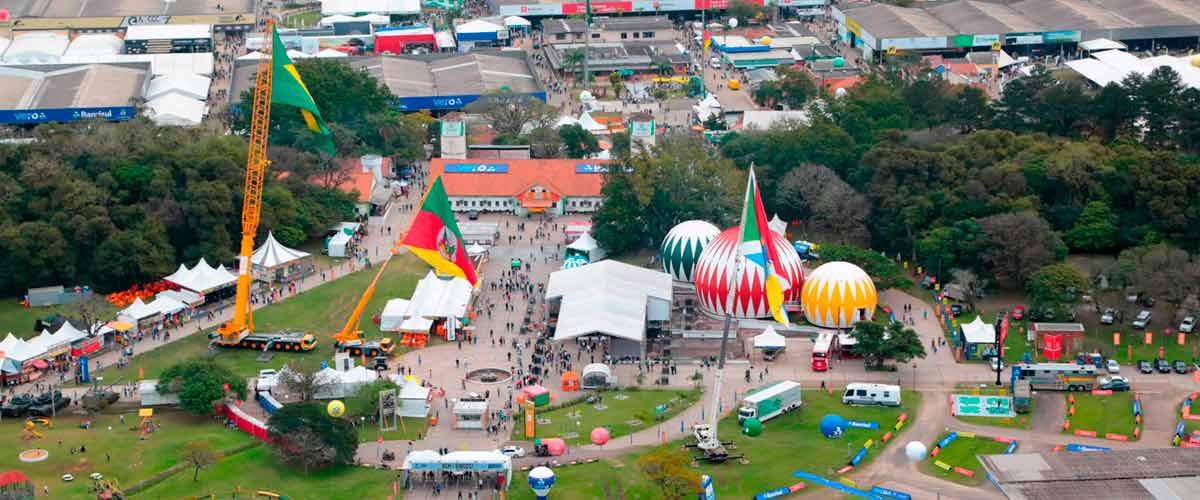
[239, 332]
[350, 339]
[108, 489]
[711, 448]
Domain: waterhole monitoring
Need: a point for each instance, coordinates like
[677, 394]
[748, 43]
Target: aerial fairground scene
[600, 249]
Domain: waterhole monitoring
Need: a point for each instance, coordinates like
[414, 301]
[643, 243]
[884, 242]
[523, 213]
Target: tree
[745, 11]
[878, 343]
[970, 110]
[655, 189]
[89, 312]
[1164, 271]
[614, 80]
[1018, 244]
[1095, 229]
[198, 454]
[1157, 97]
[510, 113]
[822, 203]
[365, 402]
[579, 142]
[1056, 286]
[307, 436]
[200, 383]
[545, 142]
[303, 382]
[670, 469]
[573, 59]
[883, 271]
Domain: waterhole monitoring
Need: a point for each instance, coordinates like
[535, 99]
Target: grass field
[320, 311]
[256, 469]
[963, 452]
[302, 20]
[132, 460]
[788, 443]
[1103, 414]
[615, 417]
[408, 431]
[19, 320]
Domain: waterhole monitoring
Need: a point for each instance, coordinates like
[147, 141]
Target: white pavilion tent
[393, 315]
[38, 47]
[591, 125]
[414, 400]
[979, 332]
[138, 311]
[95, 44]
[189, 85]
[331, 53]
[177, 110]
[202, 278]
[339, 384]
[272, 255]
[589, 246]
[769, 339]
[517, 22]
[435, 297]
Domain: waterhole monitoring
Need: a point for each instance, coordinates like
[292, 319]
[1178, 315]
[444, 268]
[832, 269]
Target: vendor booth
[570, 381]
[140, 314]
[596, 376]
[214, 284]
[586, 246]
[459, 462]
[275, 263]
[339, 244]
[770, 342]
[470, 414]
[414, 399]
[978, 339]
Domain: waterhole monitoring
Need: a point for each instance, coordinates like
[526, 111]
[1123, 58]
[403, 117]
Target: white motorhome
[871, 394]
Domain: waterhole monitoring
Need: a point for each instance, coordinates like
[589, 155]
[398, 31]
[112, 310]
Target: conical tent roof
[272, 253]
[590, 124]
[769, 338]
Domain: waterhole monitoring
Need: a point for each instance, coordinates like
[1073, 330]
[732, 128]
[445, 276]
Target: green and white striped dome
[683, 245]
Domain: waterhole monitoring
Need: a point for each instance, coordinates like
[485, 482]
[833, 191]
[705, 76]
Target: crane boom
[350, 338]
[242, 323]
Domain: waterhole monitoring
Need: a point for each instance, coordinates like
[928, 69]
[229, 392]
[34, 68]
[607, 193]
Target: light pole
[914, 376]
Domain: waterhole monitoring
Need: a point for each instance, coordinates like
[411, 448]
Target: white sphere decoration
[733, 22]
[915, 451]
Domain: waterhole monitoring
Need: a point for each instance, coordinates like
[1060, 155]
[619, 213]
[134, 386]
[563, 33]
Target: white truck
[770, 401]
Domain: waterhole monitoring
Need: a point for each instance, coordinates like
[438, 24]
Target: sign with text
[26, 116]
[597, 7]
[476, 168]
[590, 168]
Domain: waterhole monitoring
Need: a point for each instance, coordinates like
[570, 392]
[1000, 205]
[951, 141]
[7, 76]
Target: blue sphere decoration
[832, 426]
[541, 479]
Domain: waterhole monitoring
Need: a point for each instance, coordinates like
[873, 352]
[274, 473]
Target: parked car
[1188, 324]
[1144, 366]
[1180, 367]
[266, 379]
[513, 451]
[957, 309]
[473, 215]
[1018, 312]
[927, 282]
[1162, 366]
[1113, 366]
[1113, 383]
[1142, 320]
[1109, 316]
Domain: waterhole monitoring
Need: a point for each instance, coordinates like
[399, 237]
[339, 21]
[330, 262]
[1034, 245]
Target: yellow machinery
[239, 332]
[350, 339]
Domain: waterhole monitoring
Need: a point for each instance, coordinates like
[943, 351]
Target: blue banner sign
[1079, 448]
[862, 424]
[476, 168]
[947, 440]
[886, 493]
[27, 116]
[590, 168]
[448, 101]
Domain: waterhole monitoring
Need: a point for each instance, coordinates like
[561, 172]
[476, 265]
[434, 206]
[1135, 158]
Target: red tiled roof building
[551, 186]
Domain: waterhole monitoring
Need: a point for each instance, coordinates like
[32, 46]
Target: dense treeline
[914, 166]
[114, 204]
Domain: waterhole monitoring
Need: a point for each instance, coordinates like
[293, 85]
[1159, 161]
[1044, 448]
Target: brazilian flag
[288, 88]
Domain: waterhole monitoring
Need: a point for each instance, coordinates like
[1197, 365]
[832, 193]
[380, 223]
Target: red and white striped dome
[715, 268]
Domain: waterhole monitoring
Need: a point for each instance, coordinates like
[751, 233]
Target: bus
[822, 349]
[1056, 376]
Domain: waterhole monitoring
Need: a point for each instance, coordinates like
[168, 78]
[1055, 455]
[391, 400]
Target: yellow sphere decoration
[335, 408]
[837, 295]
[1195, 60]
[765, 40]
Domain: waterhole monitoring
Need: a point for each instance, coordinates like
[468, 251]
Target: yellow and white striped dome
[837, 295]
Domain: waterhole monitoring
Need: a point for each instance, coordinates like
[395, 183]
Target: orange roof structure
[355, 179]
[562, 178]
[833, 84]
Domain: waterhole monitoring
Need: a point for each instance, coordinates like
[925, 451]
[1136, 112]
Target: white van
[872, 394]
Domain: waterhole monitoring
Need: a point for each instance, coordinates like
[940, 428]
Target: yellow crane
[350, 339]
[239, 332]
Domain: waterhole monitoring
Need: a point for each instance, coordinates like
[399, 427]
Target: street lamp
[914, 376]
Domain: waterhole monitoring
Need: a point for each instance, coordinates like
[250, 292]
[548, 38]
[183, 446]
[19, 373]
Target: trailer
[770, 401]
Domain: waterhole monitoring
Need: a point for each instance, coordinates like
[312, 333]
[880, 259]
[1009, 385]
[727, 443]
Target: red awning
[89, 348]
[40, 364]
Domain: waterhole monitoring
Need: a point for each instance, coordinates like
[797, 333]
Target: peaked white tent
[166, 305]
[202, 278]
[979, 332]
[566, 120]
[188, 85]
[332, 20]
[138, 311]
[273, 254]
[707, 107]
[777, 225]
[51, 344]
[339, 384]
[414, 400]
[589, 246]
[435, 297]
[769, 339]
[476, 249]
[177, 110]
[393, 315]
[252, 56]
[591, 125]
[331, 53]
[15, 352]
[517, 22]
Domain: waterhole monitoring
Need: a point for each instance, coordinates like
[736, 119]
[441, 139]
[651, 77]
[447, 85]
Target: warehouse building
[609, 29]
[64, 93]
[117, 15]
[559, 8]
[625, 57]
[1029, 27]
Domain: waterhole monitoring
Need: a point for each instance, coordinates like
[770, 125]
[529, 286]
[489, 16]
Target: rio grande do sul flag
[435, 238]
[759, 252]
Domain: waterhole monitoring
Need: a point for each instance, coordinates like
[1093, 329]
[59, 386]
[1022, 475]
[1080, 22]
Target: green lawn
[963, 452]
[788, 443]
[1103, 414]
[19, 320]
[257, 469]
[408, 431]
[615, 417]
[321, 311]
[132, 459]
[302, 20]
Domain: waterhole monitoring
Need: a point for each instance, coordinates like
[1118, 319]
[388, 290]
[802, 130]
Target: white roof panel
[168, 31]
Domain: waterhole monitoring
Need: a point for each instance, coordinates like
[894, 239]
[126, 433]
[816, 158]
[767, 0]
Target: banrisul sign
[590, 168]
[26, 116]
[476, 168]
